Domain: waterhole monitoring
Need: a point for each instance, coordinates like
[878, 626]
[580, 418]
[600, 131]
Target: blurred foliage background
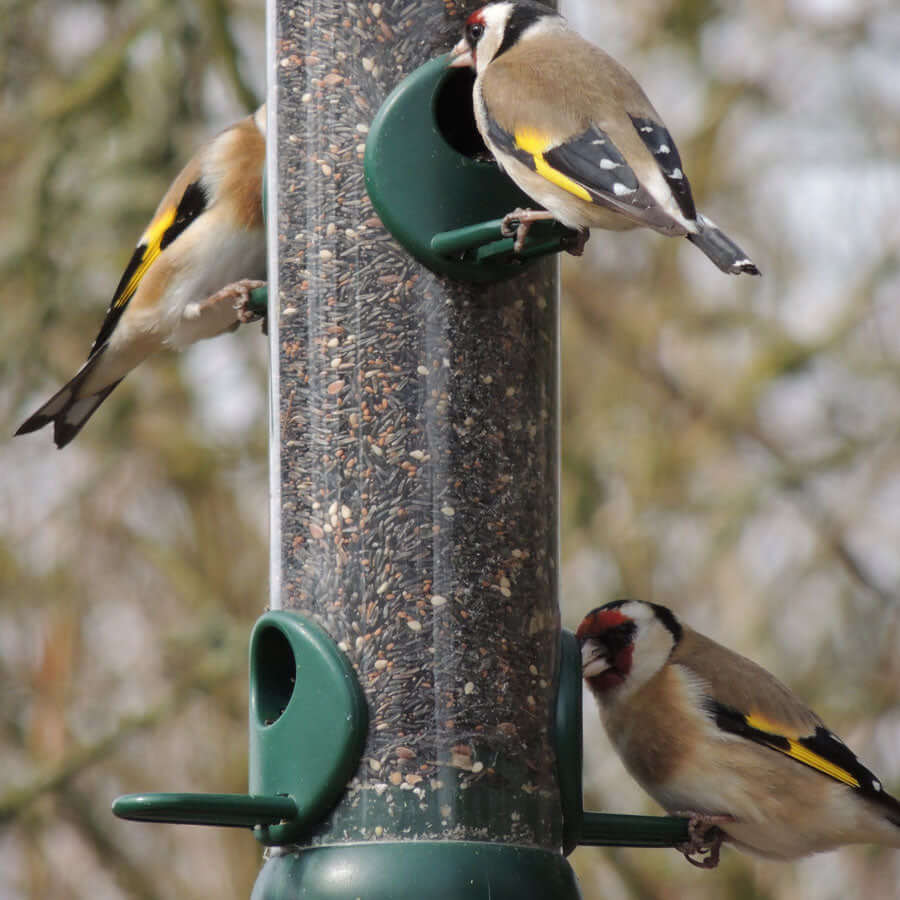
[730, 445]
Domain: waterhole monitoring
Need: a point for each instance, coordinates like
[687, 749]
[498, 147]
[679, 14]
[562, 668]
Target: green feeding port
[308, 725]
[276, 675]
[436, 188]
[308, 720]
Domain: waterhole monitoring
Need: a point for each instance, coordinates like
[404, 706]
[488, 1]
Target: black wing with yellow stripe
[162, 231]
[589, 166]
[822, 750]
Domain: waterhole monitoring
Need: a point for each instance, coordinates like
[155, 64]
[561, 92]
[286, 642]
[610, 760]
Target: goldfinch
[575, 132]
[714, 737]
[189, 277]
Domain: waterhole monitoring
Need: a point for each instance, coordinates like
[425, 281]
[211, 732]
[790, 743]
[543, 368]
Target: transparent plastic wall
[415, 467]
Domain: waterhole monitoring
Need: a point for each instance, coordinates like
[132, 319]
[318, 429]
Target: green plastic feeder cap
[435, 187]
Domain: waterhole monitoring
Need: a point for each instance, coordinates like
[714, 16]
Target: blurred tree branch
[103, 69]
[732, 424]
[215, 669]
[138, 883]
[219, 18]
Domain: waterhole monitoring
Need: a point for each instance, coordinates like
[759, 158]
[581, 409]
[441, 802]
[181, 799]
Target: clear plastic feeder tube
[415, 464]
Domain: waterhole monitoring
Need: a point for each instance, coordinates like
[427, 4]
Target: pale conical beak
[461, 56]
[593, 659]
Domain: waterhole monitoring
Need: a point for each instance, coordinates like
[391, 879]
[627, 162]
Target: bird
[189, 278]
[714, 737]
[575, 131]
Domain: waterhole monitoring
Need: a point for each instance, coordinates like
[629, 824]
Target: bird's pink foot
[519, 221]
[239, 295]
[236, 294]
[705, 838]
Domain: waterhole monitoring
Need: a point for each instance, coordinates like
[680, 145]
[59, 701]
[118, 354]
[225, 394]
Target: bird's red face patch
[474, 29]
[463, 53]
[477, 16]
[615, 674]
[611, 644]
[595, 623]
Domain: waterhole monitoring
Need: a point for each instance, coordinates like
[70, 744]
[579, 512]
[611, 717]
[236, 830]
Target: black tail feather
[723, 251]
[66, 410]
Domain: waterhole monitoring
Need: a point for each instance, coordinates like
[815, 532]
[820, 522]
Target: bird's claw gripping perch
[238, 295]
[706, 839]
[517, 224]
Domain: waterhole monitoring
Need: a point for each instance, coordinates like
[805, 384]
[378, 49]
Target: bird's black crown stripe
[192, 203]
[522, 16]
[667, 617]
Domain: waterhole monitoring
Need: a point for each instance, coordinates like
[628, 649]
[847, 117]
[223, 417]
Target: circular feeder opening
[455, 117]
[276, 675]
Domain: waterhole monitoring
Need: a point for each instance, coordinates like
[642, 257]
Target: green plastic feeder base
[438, 870]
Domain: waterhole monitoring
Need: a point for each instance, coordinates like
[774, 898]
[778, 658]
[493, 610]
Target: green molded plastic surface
[259, 297]
[608, 830]
[589, 828]
[259, 300]
[441, 204]
[308, 723]
[236, 810]
[485, 244]
[569, 739]
[436, 870]
[308, 720]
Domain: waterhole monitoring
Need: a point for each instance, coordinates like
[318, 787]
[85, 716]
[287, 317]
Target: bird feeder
[415, 709]
[435, 186]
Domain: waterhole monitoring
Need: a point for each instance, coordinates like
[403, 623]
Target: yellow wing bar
[799, 751]
[151, 242]
[536, 144]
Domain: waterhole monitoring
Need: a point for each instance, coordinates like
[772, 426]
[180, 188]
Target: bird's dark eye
[474, 31]
[619, 637]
